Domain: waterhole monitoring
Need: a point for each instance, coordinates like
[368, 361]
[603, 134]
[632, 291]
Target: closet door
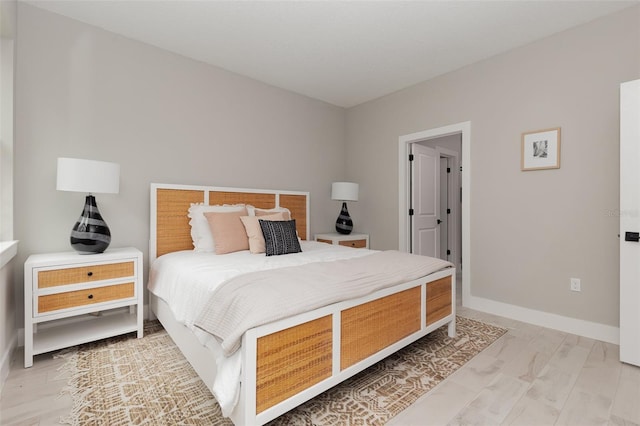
[630, 222]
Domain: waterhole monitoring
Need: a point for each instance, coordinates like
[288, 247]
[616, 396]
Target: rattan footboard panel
[368, 328]
[292, 360]
[438, 299]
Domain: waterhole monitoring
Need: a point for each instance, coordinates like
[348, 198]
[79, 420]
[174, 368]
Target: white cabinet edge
[8, 250]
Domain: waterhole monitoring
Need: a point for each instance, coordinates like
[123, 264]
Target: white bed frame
[246, 413]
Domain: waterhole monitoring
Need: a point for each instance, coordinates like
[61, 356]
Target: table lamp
[344, 191]
[90, 235]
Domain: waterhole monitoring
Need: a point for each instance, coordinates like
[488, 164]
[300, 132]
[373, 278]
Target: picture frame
[541, 149]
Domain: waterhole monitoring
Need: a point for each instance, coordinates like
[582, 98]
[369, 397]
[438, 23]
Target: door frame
[404, 192]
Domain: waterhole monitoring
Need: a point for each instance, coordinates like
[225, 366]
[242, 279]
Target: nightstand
[72, 298]
[349, 240]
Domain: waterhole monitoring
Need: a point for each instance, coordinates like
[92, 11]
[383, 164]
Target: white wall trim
[593, 330]
[8, 249]
[5, 362]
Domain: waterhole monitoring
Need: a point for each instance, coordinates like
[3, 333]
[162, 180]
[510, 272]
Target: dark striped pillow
[280, 237]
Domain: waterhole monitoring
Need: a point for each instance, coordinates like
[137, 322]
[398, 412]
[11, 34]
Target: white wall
[8, 332]
[7, 44]
[530, 231]
[87, 93]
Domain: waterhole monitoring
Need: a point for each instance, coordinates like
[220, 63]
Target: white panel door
[630, 222]
[425, 194]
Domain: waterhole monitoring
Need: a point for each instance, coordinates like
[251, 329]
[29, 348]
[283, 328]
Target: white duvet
[185, 279]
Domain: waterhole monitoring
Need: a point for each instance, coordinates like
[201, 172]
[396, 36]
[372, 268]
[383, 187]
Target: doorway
[434, 212]
[406, 143]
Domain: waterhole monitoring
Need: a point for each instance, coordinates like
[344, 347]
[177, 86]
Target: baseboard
[148, 313]
[592, 330]
[5, 362]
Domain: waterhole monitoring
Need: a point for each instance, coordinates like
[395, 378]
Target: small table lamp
[90, 234]
[344, 191]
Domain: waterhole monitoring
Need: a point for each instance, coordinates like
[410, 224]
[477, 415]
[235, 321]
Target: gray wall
[530, 231]
[87, 93]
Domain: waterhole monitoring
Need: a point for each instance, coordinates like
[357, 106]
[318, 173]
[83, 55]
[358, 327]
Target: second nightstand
[349, 240]
[61, 289]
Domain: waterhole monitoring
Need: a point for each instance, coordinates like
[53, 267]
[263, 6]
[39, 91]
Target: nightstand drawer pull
[65, 276]
[72, 299]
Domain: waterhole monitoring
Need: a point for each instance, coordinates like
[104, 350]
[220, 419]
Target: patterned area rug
[123, 381]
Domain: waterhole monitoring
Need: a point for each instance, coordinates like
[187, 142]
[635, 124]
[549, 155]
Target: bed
[290, 360]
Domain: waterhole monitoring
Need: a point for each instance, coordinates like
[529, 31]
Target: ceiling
[341, 52]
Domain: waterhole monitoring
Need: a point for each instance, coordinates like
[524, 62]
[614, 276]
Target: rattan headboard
[170, 230]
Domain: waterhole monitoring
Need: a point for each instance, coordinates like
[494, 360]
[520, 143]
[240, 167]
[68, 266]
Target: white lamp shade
[88, 176]
[344, 191]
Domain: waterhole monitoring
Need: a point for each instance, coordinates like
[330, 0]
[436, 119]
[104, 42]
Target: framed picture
[541, 149]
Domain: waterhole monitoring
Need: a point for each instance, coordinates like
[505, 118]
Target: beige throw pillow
[254, 232]
[228, 232]
[200, 229]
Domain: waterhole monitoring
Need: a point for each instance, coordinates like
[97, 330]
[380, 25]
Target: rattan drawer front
[72, 299]
[83, 274]
[292, 360]
[438, 299]
[371, 327]
[354, 243]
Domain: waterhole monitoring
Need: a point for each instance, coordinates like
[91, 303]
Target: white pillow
[255, 211]
[200, 230]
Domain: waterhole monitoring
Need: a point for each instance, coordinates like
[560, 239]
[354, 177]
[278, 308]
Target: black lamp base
[344, 224]
[90, 235]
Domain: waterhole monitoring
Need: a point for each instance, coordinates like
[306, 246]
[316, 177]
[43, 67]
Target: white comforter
[257, 298]
[186, 279]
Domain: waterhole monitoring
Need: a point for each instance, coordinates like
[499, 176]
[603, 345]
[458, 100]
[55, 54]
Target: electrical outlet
[575, 284]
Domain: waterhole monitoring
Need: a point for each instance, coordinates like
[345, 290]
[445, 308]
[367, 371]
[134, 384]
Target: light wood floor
[530, 376]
